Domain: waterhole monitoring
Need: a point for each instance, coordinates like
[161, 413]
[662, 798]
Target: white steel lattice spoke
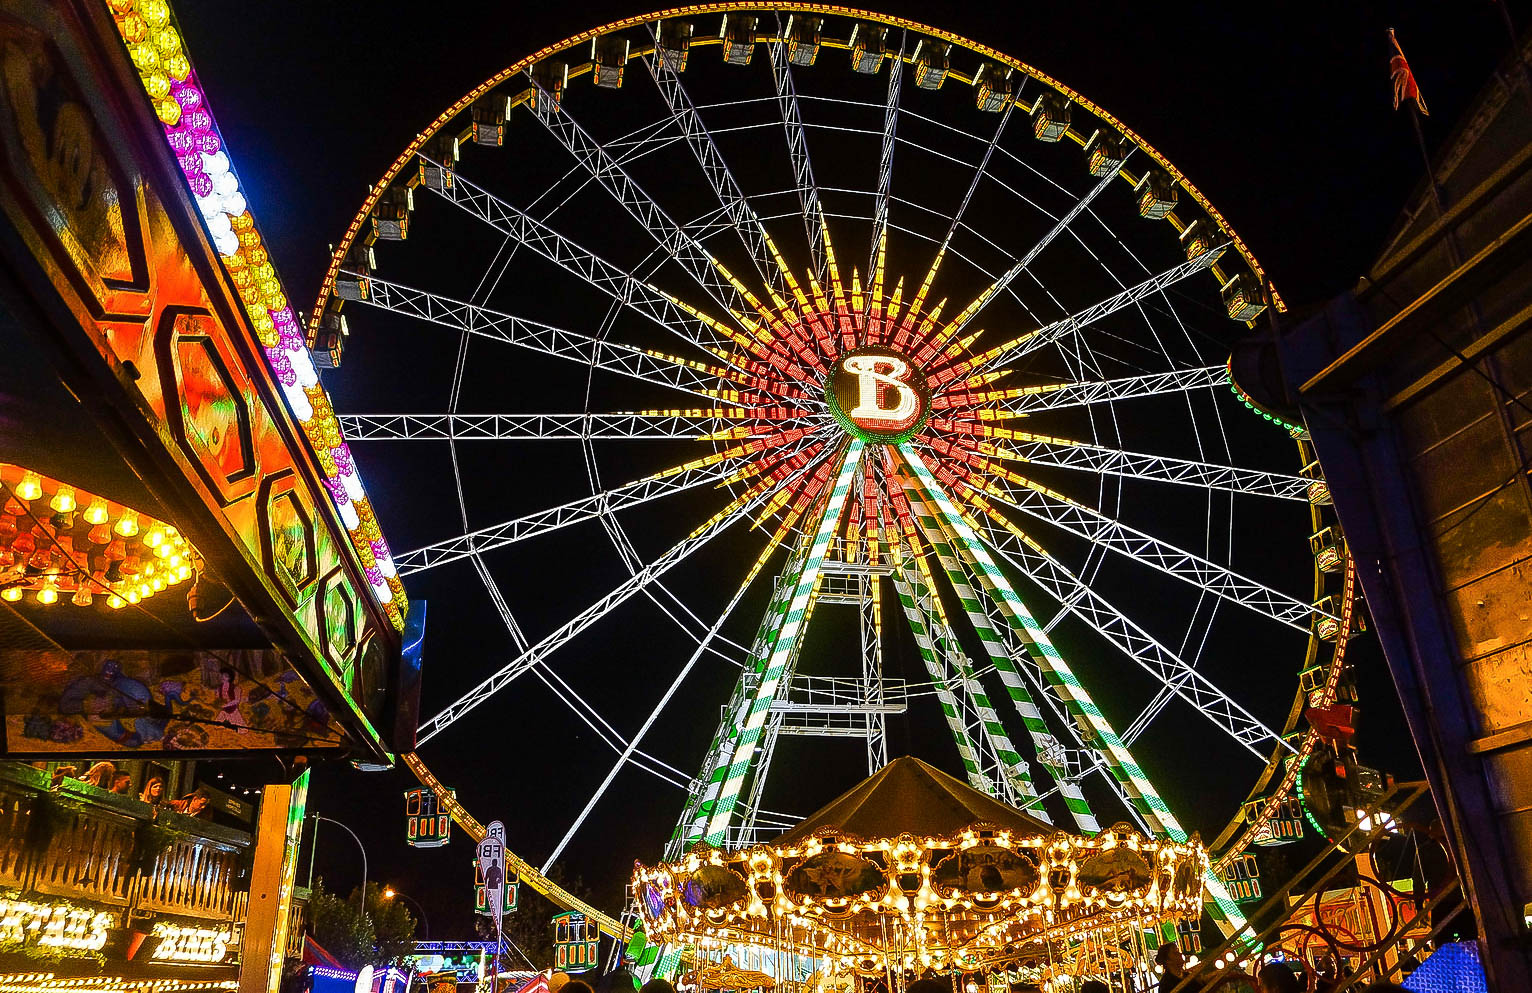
[741, 215]
[1003, 283]
[1067, 454]
[1031, 399]
[1098, 528]
[539, 652]
[676, 425]
[538, 337]
[673, 239]
[567, 696]
[585, 509]
[973, 184]
[798, 151]
[610, 279]
[886, 161]
[659, 708]
[1079, 599]
[1050, 333]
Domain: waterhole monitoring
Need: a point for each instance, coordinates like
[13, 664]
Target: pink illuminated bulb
[189, 97]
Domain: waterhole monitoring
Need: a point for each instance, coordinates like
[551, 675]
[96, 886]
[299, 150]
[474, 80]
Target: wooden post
[278, 834]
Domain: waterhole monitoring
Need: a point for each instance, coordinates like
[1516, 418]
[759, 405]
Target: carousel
[913, 872]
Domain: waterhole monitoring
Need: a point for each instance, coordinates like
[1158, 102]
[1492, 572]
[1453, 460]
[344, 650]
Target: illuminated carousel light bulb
[10, 594]
[127, 524]
[30, 487]
[48, 595]
[96, 513]
[63, 501]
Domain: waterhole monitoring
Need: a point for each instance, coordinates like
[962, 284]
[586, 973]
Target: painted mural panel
[160, 701]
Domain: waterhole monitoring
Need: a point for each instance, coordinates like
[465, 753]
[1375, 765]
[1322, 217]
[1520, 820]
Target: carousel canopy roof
[909, 795]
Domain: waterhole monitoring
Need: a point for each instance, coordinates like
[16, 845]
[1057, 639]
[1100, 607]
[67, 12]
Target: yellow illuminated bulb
[96, 512]
[155, 537]
[11, 594]
[127, 524]
[63, 500]
[115, 602]
[47, 596]
[30, 487]
[183, 571]
[132, 596]
[158, 583]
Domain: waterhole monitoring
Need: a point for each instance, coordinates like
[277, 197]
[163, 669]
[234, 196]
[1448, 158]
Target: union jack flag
[1405, 87]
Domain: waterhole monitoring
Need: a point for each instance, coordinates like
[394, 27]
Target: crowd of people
[105, 776]
[1273, 977]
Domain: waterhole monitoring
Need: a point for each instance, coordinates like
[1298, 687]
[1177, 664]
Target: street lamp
[389, 893]
[314, 847]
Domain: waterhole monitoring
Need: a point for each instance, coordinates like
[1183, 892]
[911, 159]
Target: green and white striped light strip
[693, 821]
[1012, 766]
[909, 597]
[1120, 762]
[995, 646]
[782, 649]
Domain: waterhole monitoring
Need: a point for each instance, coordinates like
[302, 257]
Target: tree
[382, 936]
[392, 924]
[341, 929]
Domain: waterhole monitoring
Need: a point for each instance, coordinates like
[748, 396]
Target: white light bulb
[303, 365]
[225, 185]
[234, 204]
[226, 243]
[299, 402]
[215, 165]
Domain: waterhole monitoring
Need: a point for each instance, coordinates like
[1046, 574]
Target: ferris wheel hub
[878, 394]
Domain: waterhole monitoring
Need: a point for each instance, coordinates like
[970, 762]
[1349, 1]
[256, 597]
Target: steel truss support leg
[871, 612]
[788, 637]
[912, 597]
[1120, 762]
[715, 794]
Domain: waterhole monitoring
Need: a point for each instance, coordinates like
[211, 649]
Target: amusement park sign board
[878, 394]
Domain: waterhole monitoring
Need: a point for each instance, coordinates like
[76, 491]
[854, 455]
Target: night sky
[1283, 119]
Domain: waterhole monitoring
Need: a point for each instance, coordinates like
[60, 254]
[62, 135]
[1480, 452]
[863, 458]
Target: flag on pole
[1405, 87]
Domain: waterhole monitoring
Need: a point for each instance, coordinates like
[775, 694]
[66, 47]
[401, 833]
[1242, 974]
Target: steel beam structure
[669, 425]
[636, 363]
[585, 509]
[798, 151]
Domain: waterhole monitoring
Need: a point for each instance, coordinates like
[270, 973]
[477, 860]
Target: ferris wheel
[917, 333]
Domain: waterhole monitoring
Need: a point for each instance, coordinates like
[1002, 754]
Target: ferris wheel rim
[407, 157]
